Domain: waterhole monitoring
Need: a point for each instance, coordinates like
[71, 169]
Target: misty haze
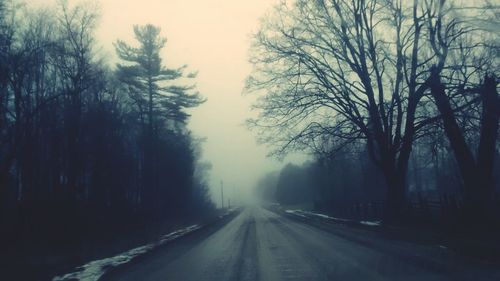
[227, 140]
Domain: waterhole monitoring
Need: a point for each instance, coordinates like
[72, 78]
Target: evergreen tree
[150, 82]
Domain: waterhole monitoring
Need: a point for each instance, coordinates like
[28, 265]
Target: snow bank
[93, 270]
[307, 214]
[228, 212]
[371, 223]
[326, 217]
[296, 212]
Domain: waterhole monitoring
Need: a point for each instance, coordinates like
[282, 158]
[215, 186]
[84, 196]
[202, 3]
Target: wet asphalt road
[262, 245]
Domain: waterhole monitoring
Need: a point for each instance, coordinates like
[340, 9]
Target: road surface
[261, 245]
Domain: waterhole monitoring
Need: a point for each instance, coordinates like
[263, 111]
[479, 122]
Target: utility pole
[233, 196]
[222, 194]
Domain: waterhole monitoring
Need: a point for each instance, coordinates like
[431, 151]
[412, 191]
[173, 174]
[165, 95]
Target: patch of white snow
[296, 212]
[371, 223]
[93, 270]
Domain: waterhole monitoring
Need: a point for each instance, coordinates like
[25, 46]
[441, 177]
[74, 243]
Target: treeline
[341, 181]
[398, 94]
[85, 149]
[337, 182]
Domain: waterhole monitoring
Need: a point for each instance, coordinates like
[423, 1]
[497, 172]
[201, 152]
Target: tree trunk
[395, 209]
[487, 141]
[476, 175]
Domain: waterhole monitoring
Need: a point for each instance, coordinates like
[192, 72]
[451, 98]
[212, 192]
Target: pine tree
[150, 83]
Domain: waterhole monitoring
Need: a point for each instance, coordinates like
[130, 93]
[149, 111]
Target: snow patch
[371, 223]
[228, 212]
[327, 217]
[296, 212]
[321, 216]
[93, 270]
[307, 214]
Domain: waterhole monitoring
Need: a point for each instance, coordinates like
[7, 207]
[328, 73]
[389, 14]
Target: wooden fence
[436, 209]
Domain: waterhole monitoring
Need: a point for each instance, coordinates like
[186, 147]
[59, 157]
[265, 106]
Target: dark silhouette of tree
[149, 81]
[79, 159]
[5, 141]
[157, 100]
[292, 186]
[476, 171]
[331, 73]
[265, 189]
[466, 96]
[337, 72]
[329, 183]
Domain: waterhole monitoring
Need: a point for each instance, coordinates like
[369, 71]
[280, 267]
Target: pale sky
[213, 37]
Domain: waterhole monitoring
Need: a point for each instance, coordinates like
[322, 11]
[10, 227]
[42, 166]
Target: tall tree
[150, 82]
[6, 150]
[341, 71]
[466, 95]
[75, 60]
[160, 102]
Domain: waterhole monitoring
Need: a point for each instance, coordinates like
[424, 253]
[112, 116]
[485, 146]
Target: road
[261, 245]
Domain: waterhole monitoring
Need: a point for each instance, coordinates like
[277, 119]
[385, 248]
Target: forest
[90, 149]
[396, 101]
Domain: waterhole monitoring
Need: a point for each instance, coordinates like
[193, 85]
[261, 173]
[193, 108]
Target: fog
[212, 37]
[120, 121]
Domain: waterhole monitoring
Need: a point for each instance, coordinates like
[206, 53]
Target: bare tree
[345, 70]
[466, 94]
